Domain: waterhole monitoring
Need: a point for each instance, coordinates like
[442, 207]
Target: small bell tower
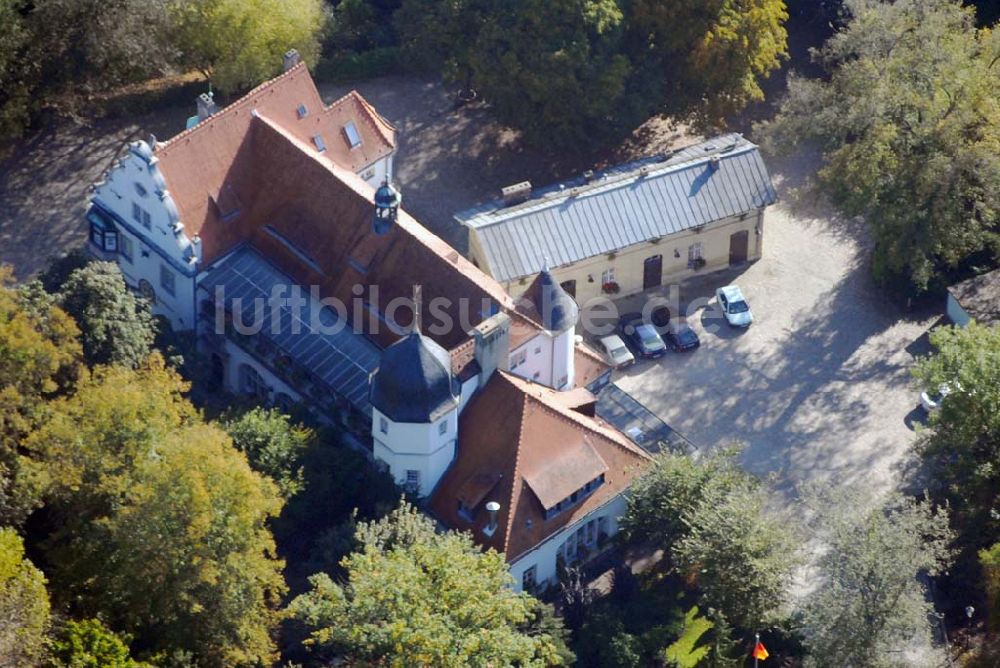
[387, 201]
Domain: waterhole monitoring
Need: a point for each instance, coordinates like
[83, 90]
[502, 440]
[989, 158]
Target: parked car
[734, 306]
[680, 337]
[616, 352]
[660, 318]
[641, 336]
[931, 402]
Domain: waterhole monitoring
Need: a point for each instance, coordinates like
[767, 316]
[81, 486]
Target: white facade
[563, 356]
[417, 454]
[150, 246]
[377, 172]
[135, 223]
[546, 359]
[569, 543]
[533, 360]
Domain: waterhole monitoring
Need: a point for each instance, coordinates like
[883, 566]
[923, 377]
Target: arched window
[251, 383]
[147, 291]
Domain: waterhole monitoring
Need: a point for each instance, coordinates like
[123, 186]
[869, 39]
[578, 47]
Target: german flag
[759, 651]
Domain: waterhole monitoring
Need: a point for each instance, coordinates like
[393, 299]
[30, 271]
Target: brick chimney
[492, 345]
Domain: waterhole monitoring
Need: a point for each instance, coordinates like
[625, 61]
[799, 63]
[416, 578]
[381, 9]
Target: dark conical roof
[413, 382]
[556, 310]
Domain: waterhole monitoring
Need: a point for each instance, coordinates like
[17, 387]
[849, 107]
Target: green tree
[563, 79]
[688, 651]
[713, 53]
[40, 358]
[554, 69]
[24, 605]
[92, 45]
[908, 120]
[160, 525]
[51, 51]
[117, 327]
[961, 449]
[416, 597]
[709, 518]
[16, 76]
[273, 446]
[239, 43]
[362, 25]
[90, 644]
[868, 605]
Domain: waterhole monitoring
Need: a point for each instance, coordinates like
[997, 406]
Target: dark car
[680, 337]
[641, 336]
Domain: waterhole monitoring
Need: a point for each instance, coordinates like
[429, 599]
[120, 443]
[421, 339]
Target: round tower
[559, 314]
[415, 398]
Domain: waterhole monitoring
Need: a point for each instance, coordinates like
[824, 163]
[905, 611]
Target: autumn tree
[868, 605]
[962, 446]
[117, 326]
[908, 121]
[713, 54]
[239, 43]
[708, 516]
[989, 562]
[159, 524]
[40, 358]
[416, 597]
[24, 605]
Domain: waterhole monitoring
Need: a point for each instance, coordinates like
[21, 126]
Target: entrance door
[652, 272]
[738, 242]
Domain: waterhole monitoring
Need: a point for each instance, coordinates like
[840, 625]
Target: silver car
[616, 352]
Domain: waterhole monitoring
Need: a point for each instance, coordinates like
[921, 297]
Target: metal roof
[414, 382]
[622, 206]
[342, 358]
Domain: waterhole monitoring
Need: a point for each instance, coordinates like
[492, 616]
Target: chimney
[206, 106]
[714, 163]
[290, 60]
[517, 193]
[588, 176]
[492, 338]
[492, 508]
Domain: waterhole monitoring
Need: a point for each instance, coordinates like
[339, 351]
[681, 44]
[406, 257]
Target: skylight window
[302, 111]
[351, 134]
[320, 144]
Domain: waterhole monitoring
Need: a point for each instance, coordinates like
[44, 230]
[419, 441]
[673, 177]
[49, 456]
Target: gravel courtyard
[819, 387]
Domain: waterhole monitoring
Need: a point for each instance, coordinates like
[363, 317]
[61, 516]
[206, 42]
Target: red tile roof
[533, 450]
[289, 194]
[199, 160]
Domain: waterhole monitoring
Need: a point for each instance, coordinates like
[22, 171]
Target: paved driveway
[819, 386]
